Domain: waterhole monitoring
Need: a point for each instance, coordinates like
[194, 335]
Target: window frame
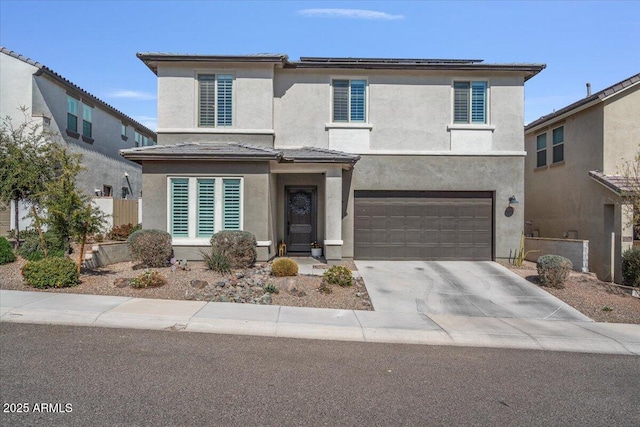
[71, 101]
[470, 110]
[350, 112]
[558, 144]
[540, 150]
[137, 139]
[192, 237]
[217, 120]
[87, 113]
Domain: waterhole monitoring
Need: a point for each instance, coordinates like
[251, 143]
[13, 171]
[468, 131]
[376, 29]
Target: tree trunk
[36, 220]
[17, 219]
[81, 254]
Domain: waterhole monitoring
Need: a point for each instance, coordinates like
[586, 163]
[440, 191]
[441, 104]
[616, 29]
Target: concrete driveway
[459, 288]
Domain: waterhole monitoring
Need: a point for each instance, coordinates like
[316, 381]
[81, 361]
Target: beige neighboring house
[372, 158]
[572, 182]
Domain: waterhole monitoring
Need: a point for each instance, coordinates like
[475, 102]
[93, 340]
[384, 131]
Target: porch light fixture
[513, 200]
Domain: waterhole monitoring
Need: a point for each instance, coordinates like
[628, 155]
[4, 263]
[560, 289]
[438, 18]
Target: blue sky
[93, 44]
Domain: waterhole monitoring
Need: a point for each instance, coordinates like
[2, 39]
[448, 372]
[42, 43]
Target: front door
[301, 218]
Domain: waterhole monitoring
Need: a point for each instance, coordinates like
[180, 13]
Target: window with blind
[541, 150]
[557, 148]
[349, 101]
[215, 100]
[200, 207]
[470, 102]
[87, 120]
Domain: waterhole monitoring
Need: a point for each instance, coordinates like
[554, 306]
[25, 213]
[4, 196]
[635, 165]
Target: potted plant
[316, 250]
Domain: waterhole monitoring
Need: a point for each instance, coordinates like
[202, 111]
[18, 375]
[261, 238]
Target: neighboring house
[572, 182]
[86, 124]
[399, 159]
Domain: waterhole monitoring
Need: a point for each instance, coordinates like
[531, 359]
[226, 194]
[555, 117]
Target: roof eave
[151, 59]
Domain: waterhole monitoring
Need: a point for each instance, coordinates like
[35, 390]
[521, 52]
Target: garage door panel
[423, 226]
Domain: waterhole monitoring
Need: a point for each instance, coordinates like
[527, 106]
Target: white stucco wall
[15, 87]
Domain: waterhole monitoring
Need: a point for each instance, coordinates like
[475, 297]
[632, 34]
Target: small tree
[85, 221]
[630, 172]
[25, 166]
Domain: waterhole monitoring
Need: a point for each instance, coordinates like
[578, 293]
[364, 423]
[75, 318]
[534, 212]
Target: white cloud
[148, 121]
[132, 94]
[348, 13]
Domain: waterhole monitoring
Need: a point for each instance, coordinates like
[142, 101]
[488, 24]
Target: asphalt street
[98, 376]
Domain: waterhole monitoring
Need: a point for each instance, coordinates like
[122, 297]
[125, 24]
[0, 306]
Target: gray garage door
[421, 225]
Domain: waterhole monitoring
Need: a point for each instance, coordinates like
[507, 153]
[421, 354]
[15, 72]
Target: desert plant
[150, 247]
[338, 275]
[148, 279]
[553, 270]
[32, 249]
[217, 261]
[271, 288]
[238, 246]
[284, 267]
[121, 232]
[6, 253]
[631, 266]
[51, 273]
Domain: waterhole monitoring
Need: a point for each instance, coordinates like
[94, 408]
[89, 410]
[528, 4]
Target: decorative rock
[360, 294]
[199, 284]
[189, 295]
[121, 283]
[265, 299]
[239, 275]
[221, 284]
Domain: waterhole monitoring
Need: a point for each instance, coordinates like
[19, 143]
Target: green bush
[31, 248]
[51, 273]
[122, 232]
[283, 267]
[150, 247]
[338, 275]
[6, 252]
[217, 261]
[238, 246]
[631, 266]
[553, 270]
[148, 279]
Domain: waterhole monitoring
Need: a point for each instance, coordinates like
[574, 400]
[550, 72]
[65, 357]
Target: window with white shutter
[231, 206]
[180, 207]
[206, 208]
[349, 101]
[470, 102]
[215, 100]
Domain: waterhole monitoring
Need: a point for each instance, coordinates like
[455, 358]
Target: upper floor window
[558, 144]
[470, 102]
[349, 101]
[215, 100]
[72, 114]
[137, 139]
[87, 123]
[541, 150]
[123, 130]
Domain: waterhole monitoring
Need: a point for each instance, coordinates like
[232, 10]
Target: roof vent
[588, 89]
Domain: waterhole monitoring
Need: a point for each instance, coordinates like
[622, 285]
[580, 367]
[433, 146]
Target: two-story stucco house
[572, 183]
[76, 118]
[373, 158]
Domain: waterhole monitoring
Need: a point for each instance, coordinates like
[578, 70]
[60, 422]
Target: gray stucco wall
[15, 87]
[255, 202]
[502, 175]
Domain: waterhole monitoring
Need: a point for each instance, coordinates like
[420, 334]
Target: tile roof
[616, 183]
[73, 86]
[598, 96]
[231, 151]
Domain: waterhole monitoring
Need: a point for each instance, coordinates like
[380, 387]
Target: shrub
[338, 275]
[284, 267]
[553, 270]
[631, 266]
[148, 279]
[271, 288]
[6, 252]
[59, 272]
[150, 247]
[122, 232]
[31, 248]
[238, 246]
[217, 261]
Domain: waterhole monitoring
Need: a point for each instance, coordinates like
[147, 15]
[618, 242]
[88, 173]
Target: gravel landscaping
[601, 301]
[199, 283]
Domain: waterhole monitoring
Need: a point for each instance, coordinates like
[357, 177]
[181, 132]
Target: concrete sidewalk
[315, 323]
